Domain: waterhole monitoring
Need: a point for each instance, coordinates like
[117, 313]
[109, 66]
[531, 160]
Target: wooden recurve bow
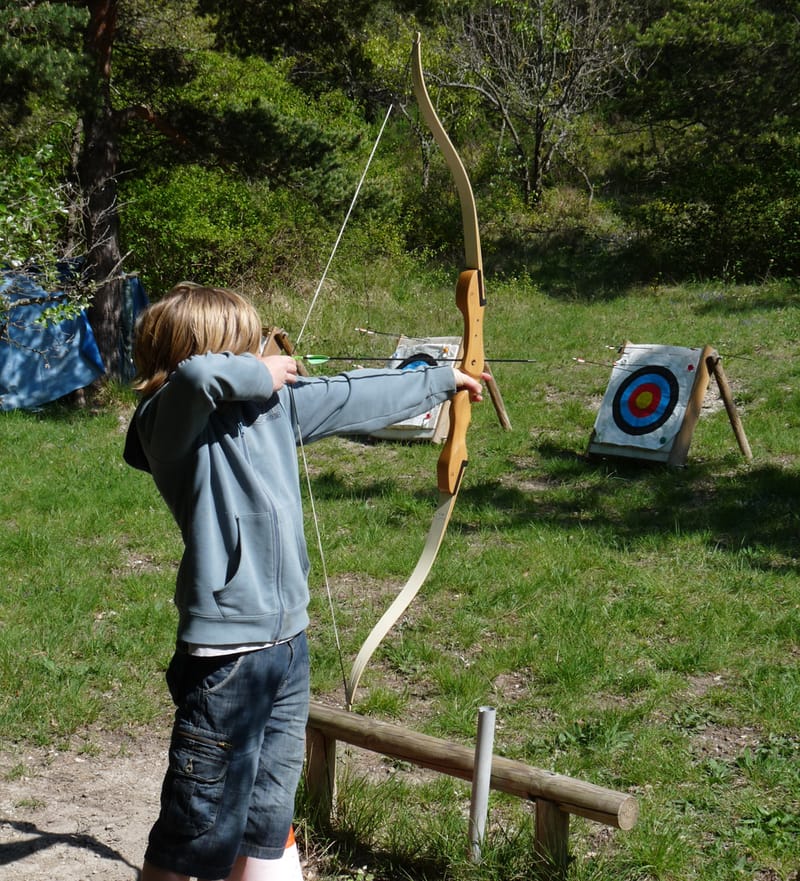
[471, 302]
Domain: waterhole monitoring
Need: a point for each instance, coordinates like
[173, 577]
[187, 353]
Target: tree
[47, 75]
[539, 67]
[39, 65]
[97, 172]
[718, 190]
[322, 37]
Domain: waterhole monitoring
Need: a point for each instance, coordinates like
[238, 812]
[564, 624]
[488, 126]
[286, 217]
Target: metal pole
[479, 802]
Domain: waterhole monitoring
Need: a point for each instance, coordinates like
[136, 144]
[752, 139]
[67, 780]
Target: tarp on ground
[41, 362]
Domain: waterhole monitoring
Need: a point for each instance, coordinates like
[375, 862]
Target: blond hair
[191, 320]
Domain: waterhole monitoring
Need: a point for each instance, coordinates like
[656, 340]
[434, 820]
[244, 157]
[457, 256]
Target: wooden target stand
[609, 439]
[432, 426]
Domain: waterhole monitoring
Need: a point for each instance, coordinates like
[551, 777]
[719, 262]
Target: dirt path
[81, 813]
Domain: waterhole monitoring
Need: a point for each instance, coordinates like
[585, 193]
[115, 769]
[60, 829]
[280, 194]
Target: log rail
[556, 796]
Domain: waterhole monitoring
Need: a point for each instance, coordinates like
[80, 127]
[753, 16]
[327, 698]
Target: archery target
[410, 353]
[645, 402]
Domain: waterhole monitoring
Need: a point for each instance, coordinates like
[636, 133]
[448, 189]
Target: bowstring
[300, 443]
[323, 562]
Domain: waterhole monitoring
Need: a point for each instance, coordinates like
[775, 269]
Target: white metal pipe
[481, 781]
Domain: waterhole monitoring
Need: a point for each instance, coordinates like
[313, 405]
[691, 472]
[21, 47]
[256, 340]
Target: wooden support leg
[552, 841]
[320, 773]
[715, 367]
[497, 399]
[680, 445]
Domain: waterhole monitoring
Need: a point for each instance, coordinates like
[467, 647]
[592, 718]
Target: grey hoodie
[220, 444]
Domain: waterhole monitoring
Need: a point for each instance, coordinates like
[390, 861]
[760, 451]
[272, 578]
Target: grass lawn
[633, 625]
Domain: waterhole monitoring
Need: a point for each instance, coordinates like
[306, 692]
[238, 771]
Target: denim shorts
[235, 758]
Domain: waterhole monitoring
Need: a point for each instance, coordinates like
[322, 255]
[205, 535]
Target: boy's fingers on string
[282, 368]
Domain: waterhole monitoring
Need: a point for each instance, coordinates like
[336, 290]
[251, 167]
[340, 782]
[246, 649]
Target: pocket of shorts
[198, 766]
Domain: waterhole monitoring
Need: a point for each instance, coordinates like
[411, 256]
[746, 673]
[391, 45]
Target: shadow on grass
[344, 850]
[753, 510]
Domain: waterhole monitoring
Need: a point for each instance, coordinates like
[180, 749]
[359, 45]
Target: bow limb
[471, 300]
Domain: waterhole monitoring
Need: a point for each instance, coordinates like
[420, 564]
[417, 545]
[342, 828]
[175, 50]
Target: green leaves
[39, 53]
[33, 206]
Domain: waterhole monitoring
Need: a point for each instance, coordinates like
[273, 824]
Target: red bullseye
[645, 400]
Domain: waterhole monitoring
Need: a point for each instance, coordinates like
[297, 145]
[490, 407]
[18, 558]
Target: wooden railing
[554, 795]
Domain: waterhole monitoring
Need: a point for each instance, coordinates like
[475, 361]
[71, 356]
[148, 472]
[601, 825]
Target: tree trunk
[97, 170]
[101, 228]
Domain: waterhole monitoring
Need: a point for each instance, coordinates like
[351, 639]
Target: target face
[645, 400]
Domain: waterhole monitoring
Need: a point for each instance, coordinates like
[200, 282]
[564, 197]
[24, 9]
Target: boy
[217, 428]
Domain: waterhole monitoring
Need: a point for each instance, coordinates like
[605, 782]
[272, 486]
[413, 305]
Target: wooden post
[680, 446]
[320, 773]
[715, 366]
[552, 840]
[497, 398]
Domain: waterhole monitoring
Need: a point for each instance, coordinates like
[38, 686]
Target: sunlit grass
[633, 625]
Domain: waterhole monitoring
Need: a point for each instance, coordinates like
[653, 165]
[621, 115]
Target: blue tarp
[134, 300]
[42, 362]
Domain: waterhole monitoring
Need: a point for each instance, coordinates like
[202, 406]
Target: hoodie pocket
[269, 567]
[251, 590]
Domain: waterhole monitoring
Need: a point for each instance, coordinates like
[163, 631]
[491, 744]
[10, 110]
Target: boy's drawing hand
[473, 386]
[282, 368]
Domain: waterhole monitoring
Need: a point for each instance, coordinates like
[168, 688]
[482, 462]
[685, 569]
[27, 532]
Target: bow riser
[453, 459]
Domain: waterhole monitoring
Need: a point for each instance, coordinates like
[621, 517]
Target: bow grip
[471, 301]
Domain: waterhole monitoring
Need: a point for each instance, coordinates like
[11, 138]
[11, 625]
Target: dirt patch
[79, 813]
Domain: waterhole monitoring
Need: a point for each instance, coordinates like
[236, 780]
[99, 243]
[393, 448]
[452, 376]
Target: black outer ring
[418, 358]
[637, 376]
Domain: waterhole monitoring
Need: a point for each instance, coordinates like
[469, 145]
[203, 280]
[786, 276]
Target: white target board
[410, 353]
[645, 403]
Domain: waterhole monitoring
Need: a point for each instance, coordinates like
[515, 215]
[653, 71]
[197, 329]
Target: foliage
[41, 66]
[715, 187]
[40, 55]
[730, 226]
[278, 111]
[194, 224]
[537, 68]
[323, 37]
[747, 79]
[34, 207]
[256, 194]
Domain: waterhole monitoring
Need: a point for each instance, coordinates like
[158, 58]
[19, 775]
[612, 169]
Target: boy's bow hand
[465, 382]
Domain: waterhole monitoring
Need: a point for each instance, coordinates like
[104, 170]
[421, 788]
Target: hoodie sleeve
[362, 401]
[166, 425]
